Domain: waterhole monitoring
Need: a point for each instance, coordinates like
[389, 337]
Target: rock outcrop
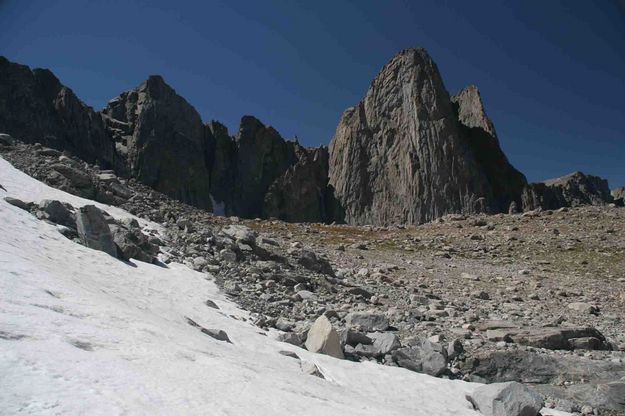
[94, 231]
[506, 399]
[505, 181]
[618, 195]
[36, 107]
[301, 193]
[261, 157]
[572, 190]
[162, 141]
[323, 338]
[402, 155]
[258, 173]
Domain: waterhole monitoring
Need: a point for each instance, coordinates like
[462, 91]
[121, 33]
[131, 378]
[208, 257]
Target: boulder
[240, 233]
[367, 321]
[311, 261]
[57, 212]
[94, 231]
[18, 203]
[555, 338]
[426, 357]
[132, 243]
[533, 367]
[322, 338]
[218, 334]
[583, 307]
[506, 399]
[72, 180]
[384, 342]
[350, 337]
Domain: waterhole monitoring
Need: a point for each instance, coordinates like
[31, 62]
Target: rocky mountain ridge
[408, 153]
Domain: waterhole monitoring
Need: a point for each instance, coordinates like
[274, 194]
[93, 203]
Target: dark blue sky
[552, 73]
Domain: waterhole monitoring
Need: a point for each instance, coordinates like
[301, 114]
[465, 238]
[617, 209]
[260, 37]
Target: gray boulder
[506, 399]
[72, 180]
[18, 203]
[384, 342]
[132, 243]
[367, 321]
[57, 212]
[322, 338]
[350, 337]
[94, 231]
[311, 261]
[240, 233]
[426, 357]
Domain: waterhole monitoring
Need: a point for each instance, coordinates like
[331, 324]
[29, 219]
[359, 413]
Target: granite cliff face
[301, 193]
[162, 140]
[261, 156]
[407, 154]
[36, 107]
[506, 183]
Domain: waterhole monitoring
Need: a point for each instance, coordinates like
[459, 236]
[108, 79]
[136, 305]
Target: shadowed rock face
[302, 193]
[36, 107]
[273, 177]
[261, 156]
[162, 140]
[221, 162]
[402, 155]
[506, 183]
[572, 190]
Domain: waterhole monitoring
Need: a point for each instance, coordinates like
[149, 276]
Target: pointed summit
[471, 111]
[405, 154]
[162, 140]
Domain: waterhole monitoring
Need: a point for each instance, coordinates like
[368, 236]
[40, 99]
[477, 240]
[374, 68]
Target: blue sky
[552, 73]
